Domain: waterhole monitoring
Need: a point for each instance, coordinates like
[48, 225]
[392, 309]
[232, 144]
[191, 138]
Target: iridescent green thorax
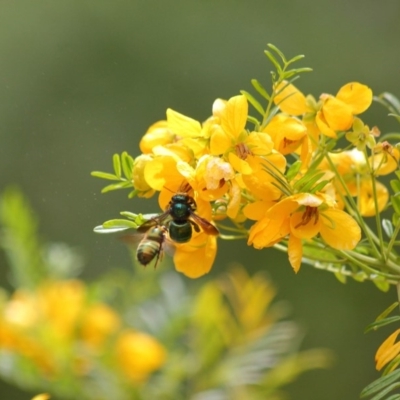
[181, 206]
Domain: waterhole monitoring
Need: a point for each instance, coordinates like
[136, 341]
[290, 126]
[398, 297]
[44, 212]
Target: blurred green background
[81, 80]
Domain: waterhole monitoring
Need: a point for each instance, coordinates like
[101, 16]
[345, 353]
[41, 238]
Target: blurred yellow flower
[61, 303]
[138, 355]
[43, 396]
[99, 321]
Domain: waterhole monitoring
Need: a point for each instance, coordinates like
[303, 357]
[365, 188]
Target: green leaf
[359, 276]
[340, 277]
[20, 240]
[293, 170]
[127, 165]
[395, 185]
[396, 203]
[116, 186]
[381, 284]
[380, 384]
[383, 322]
[392, 100]
[297, 71]
[133, 194]
[281, 55]
[393, 397]
[255, 122]
[253, 102]
[117, 165]
[130, 215]
[296, 58]
[385, 313]
[112, 223]
[307, 181]
[104, 175]
[138, 219]
[319, 186]
[274, 61]
[102, 230]
[260, 89]
[387, 227]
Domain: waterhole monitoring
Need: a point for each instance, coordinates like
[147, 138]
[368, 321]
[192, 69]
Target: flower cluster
[281, 179]
[46, 327]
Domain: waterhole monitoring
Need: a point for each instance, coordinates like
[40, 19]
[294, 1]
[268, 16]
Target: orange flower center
[308, 215]
[242, 151]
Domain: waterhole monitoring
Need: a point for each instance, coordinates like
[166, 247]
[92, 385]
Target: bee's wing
[158, 220]
[207, 227]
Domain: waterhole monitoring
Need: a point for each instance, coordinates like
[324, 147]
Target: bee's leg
[195, 226]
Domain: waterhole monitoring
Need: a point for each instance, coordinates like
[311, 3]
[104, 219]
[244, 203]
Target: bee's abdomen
[147, 251]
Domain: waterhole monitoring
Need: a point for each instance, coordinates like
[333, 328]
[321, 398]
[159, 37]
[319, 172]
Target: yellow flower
[232, 140]
[190, 132]
[61, 303]
[99, 321]
[13, 338]
[209, 178]
[353, 169]
[162, 173]
[138, 355]
[385, 159]
[157, 135]
[361, 136]
[290, 100]
[261, 184]
[366, 200]
[387, 351]
[303, 216]
[22, 309]
[337, 113]
[286, 132]
[138, 178]
[196, 257]
[331, 113]
[43, 396]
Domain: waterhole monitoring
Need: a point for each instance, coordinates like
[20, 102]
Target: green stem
[392, 240]
[377, 213]
[353, 206]
[241, 231]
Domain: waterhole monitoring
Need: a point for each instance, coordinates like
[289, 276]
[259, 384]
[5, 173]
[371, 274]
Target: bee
[151, 246]
[179, 218]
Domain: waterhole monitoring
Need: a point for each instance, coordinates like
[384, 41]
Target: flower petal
[338, 115]
[356, 95]
[295, 252]
[339, 229]
[290, 100]
[195, 262]
[182, 125]
[387, 351]
[234, 116]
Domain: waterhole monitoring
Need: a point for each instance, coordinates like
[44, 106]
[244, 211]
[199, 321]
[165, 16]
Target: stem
[392, 240]
[353, 205]
[377, 214]
[232, 229]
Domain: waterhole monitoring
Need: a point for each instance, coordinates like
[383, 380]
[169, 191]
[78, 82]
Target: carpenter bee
[179, 218]
[151, 246]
